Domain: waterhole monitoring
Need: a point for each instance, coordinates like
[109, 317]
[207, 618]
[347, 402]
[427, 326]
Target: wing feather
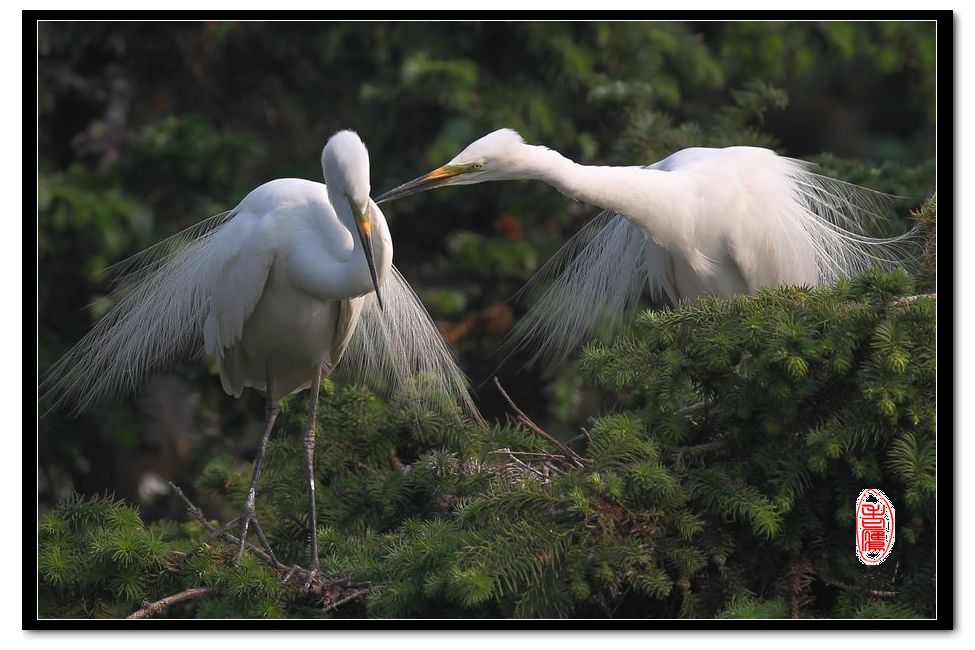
[596, 280]
[241, 271]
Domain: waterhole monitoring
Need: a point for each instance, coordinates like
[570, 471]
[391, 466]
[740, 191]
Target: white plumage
[726, 221]
[287, 285]
[275, 290]
[280, 275]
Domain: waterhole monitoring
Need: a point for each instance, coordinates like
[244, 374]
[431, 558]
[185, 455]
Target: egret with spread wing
[725, 221]
[276, 290]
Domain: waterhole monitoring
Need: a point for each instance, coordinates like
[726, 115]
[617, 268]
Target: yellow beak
[364, 226]
[438, 177]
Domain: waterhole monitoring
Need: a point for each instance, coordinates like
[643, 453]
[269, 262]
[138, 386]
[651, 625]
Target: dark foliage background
[146, 128]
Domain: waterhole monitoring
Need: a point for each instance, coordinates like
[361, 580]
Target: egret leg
[248, 516]
[316, 381]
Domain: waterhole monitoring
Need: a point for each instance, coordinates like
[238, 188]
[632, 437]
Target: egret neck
[643, 195]
[358, 267]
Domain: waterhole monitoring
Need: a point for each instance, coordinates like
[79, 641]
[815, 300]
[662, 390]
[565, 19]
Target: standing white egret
[275, 290]
[703, 220]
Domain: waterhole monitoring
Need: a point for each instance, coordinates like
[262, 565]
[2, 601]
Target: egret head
[499, 156]
[345, 164]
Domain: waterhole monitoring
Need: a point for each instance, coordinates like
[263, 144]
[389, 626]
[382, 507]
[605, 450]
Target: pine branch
[693, 408]
[151, 609]
[799, 576]
[696, 450]
[879, 593]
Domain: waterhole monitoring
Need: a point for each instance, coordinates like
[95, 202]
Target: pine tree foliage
[805, 396]
[723, 486]
[719, 478]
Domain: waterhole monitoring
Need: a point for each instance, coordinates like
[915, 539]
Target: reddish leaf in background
[509, 226]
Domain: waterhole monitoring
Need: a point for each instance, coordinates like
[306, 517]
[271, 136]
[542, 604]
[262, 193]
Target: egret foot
[293, 570]
[247, 518]
[314, 575]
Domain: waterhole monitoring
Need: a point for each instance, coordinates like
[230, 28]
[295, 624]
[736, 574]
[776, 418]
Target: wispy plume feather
[602, 275]
[160, 304]
[593, 282]
[833, 216]
[400, 342]
[161, 299]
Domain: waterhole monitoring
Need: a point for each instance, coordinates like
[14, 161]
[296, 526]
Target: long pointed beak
[437, 178]
[364, 226]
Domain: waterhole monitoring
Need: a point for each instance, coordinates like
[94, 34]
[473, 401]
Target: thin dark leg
[248, 515]
[310, 465]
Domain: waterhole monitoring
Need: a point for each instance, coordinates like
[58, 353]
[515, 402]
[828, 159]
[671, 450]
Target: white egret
[727, 221]
[276, 290]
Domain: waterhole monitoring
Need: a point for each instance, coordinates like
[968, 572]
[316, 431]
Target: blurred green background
[147, 128]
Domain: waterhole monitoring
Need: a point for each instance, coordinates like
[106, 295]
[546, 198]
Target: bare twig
[548, 462]
[222, 533]
[509, 452]
[192, 509]
[526, 466]
[525, 420]
[553, 468]
[342, 601]
[151, 609]
[584, 435]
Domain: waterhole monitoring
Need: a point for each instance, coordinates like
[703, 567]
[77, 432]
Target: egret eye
[478, 165]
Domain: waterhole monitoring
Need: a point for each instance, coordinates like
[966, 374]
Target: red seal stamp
[875, 527]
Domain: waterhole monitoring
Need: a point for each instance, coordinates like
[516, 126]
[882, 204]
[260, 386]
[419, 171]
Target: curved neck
[642, 195]
[381, 243]
[343, 210]
[340, 203]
